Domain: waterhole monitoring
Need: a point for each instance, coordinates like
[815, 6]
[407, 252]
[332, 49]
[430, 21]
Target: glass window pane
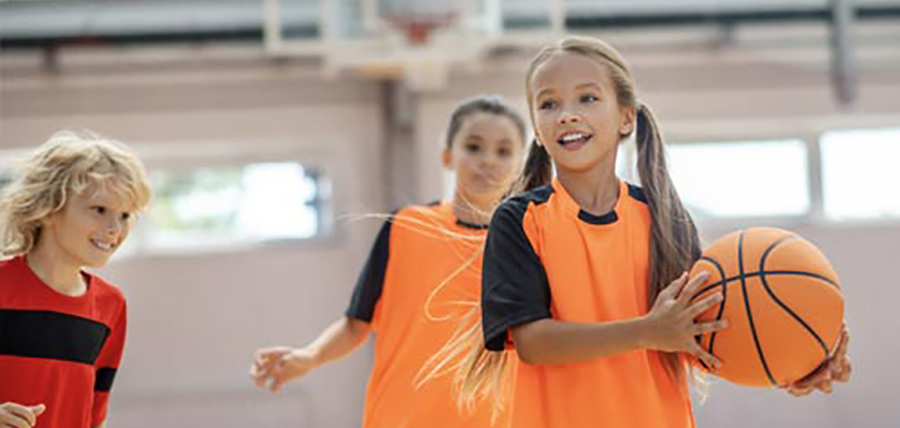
[860, 175]
[222, 205]
[745, 179]
[5, 178]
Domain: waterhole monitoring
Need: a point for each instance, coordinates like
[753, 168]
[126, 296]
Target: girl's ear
[447, 158]
[629, 118]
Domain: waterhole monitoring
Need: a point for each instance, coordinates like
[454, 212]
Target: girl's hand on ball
[835, 368]
[672, 317]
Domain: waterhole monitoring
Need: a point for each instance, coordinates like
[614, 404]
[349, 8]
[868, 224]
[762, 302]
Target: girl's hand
[280, 365]
[671, 320]
[836, 368]
[19, 416]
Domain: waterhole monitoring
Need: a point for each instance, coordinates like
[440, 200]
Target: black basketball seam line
[712, 336]
[762, 263]
[770, 273]
[762, 356]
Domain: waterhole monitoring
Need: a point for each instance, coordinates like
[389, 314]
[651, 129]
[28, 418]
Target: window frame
[185, 157]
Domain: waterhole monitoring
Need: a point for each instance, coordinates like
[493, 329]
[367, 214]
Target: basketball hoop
[418, 27]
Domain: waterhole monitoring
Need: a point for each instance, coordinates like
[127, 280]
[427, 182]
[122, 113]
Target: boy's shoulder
[108, 294]
[10, 268]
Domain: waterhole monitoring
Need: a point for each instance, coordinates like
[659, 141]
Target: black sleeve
[514, 284]
[371, 279]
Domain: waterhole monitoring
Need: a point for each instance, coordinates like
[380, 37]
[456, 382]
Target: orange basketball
[783, 305]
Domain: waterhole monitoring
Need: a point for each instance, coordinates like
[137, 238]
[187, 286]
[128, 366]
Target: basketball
[783, 303]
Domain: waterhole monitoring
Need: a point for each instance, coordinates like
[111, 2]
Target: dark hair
[491, 104]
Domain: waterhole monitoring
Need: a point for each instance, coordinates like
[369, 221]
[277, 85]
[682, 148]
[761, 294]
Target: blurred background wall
[272, 128]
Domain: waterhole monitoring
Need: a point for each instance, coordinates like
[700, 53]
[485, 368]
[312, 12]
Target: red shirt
[59, 350]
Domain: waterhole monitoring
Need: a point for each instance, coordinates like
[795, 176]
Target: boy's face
[89, 229]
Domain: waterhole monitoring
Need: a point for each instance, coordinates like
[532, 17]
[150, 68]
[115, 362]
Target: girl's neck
[472, 210]
[49, 264]
[595, 190]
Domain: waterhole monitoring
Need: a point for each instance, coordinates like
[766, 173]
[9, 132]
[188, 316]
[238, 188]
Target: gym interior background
[271, 128]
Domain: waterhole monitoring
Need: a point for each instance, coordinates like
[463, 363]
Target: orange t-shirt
[547, 258]
[415, 253]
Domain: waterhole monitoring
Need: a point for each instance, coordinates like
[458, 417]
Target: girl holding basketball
[584, 274]
[425, 261]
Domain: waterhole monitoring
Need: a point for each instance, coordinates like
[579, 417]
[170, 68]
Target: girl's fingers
[816, 378]
[843, 342]
[266, 360]
[799, 392]
[709, 327]
[691, 288]
[704, 304]
[841, 369]
[709, 359]
[278, 382]
[844, 370]
[674, 289]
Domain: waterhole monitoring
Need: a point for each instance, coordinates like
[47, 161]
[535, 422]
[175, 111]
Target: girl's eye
[588, 98]
[126, 216]
[472, 148]
[100, 210]
[547, 105]
[504, 152]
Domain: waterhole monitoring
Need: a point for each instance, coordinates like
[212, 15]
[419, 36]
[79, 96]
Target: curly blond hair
[69, 163]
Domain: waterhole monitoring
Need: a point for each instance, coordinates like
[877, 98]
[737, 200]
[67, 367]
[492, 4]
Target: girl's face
[486, 155]
[576, 113]
[89, 229]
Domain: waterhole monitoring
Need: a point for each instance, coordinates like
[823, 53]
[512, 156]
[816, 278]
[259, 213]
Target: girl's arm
[549, 341]
[340, 338]
[279, 365]
[669, 327]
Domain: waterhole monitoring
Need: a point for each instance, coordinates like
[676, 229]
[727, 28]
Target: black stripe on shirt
[515, 289]
[51, 335]
[104, 380]
[371, 279]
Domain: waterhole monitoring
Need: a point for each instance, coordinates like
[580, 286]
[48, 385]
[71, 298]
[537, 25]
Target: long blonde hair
[69, 163]
[674, 244]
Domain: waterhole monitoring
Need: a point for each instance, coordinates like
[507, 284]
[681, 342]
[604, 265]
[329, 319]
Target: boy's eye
[126, 216]
[472, 148]
[100, 210]
[504, 152]
[546, 105]
[588, 98]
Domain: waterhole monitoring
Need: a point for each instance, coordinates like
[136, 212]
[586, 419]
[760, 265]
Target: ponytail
[674, 243]
[538, 170]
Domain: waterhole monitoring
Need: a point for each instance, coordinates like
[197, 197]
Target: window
[860, 175]
[211, 206]
[5, 179]
[742, 179]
